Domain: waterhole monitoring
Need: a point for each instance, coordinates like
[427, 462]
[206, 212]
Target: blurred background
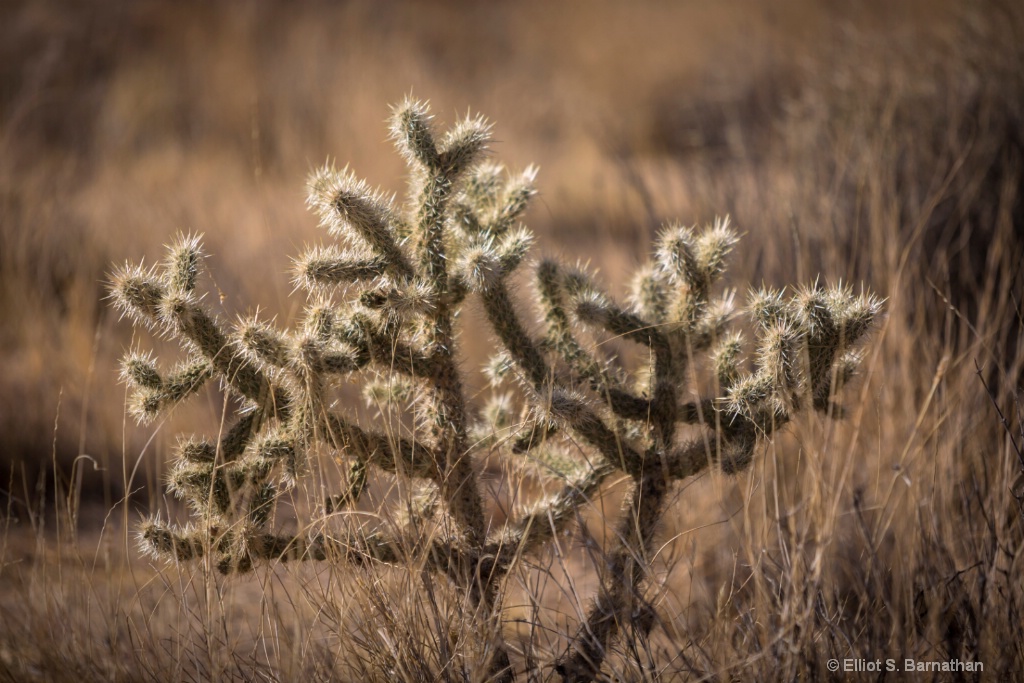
[122, 123]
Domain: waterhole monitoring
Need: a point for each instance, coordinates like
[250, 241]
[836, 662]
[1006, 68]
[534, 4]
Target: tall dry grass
[879, 144]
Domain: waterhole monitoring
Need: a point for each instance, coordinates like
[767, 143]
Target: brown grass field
[878, 143]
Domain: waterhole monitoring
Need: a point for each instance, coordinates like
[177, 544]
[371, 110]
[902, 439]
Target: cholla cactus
[578, 417]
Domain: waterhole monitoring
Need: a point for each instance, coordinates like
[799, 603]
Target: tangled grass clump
[383, 305]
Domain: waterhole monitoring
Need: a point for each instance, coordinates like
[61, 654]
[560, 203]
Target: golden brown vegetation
[879, 145]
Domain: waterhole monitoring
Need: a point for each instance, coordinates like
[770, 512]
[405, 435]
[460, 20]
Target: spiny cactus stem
[622, 402]
[461, 491]
[398, 455]
[199, 328]
[663, 405]
[359, 549]
[235, 441]
[533, 438]
[434, 201]
[502, 315]
[608, 443]
[379, 234]
[321, 268]
[632, 327]
[353, 547]
[622, 584]
[458, 483]
[697, 412]
[560, 329]
[395, 354]
[547, 520]
[503, 318]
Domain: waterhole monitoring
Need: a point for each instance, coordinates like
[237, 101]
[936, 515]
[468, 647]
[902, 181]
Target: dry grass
[881, 145]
